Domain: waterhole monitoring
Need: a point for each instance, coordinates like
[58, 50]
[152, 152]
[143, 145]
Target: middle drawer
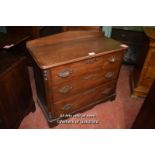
[73, 71]
[84, 99]
[83, 83]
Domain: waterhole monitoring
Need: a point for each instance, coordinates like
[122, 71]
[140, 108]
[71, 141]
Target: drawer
[76, 102]
[74, 70]
[85, 82]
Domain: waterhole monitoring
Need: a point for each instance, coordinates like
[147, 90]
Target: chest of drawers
[15, 91]
[74, 71]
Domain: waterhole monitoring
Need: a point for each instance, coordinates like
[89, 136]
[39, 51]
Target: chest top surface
[70, 46]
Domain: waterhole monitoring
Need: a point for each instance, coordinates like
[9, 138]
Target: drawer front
[85, 82]
[75, 70]
[88, 97]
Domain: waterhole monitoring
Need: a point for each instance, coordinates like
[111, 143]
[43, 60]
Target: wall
[2, 29]
[107, 31]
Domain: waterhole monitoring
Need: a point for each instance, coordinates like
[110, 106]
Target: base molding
[136, 91]
[52, 122]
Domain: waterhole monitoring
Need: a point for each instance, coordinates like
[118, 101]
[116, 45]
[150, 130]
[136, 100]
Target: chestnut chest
[74, 71]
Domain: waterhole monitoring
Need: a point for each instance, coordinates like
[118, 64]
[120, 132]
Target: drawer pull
[67, 107]
[112, 59]
[65, 89]
[89, 92]
[89, 61]
[106, 91]
[87, 77]
[109, 75]
[65, 73]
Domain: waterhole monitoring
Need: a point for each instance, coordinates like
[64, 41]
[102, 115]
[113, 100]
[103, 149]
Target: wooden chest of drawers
[15, 91]
[75, 70]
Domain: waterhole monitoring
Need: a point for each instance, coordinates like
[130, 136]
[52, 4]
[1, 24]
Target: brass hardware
[87, 77]
[106, 91]
[65, 73]
[92, 60]
[45, 74]
[65, 89]
[67, 107]
[109, 75]
[112, 59]
[89, 92]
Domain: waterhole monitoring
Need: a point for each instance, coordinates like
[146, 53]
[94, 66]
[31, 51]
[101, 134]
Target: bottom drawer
[76, 102]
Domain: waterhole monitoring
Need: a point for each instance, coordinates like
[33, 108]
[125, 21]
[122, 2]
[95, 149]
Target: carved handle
[106, 91]
[90, 61]
[112, 59]
[109, 75]
[65, 89]
[65, 73]
[67, 107]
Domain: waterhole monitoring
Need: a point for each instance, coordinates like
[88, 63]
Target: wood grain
[71, 79]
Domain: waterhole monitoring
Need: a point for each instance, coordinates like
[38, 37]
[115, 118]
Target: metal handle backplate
[65, 89]
[65, 73]
[109, 75]
[67, 107]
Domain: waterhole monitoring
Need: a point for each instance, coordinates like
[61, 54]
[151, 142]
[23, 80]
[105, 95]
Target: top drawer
[74, 70]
